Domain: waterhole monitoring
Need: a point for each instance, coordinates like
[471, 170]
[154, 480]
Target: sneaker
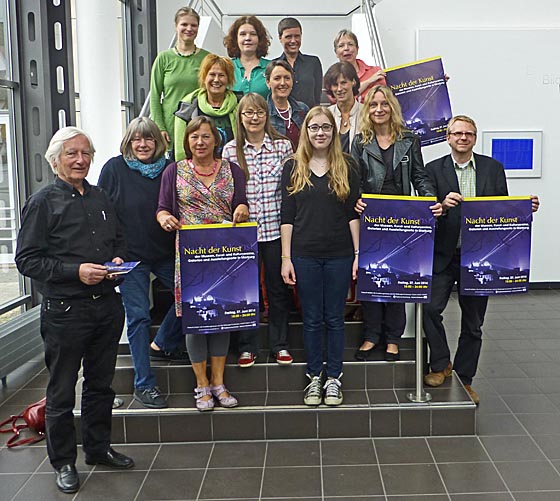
[117, 402]
[333, 391]
[313, 391]
[246, 359]
[169, 356]
[283, 357]
[151, 398]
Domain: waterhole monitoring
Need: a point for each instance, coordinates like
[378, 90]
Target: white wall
[480, 96]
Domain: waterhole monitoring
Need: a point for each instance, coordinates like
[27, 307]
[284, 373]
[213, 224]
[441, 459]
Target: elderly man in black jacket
[69, 231]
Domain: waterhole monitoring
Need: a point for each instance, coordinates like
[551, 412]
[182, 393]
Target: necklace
[193, 166]
[285, 115]
[322, 165]
[182, 54]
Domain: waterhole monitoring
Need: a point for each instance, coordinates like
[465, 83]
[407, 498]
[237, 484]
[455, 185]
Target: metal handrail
[204, 8]
[368, 7]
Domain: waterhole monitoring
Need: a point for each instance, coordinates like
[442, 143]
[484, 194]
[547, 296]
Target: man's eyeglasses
[459, 135]
[252, 113]
[324, 127]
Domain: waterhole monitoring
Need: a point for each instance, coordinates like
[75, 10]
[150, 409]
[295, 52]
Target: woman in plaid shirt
[260, 151]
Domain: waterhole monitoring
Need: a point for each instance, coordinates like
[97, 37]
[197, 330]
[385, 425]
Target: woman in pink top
[346, 49]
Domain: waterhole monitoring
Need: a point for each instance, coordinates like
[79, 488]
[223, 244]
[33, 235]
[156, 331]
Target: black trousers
[473, 309]
[76, 332]
[383, 318]
[278, 302]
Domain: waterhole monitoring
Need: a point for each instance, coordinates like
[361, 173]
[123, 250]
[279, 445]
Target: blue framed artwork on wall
[519, 151]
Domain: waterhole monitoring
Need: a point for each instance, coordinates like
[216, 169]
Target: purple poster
[396, 249]
[219, 277]
[421, 90]
[495, 245]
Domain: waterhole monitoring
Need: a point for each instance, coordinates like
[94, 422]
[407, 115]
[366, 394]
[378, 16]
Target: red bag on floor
[34, 417]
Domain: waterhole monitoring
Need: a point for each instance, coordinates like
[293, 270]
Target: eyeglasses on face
[459, 135]
[138, 140]
[252, 113]
[323, 127]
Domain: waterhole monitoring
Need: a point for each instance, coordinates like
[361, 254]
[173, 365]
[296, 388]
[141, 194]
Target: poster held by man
[495, 245]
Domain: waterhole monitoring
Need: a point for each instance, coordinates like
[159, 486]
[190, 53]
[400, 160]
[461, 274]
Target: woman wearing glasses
[133, 181]
[320, 230]
[260, 152]
[390, 160]
[346, 49]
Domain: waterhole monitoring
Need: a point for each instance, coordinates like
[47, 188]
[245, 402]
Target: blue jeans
[135, 291]
[322, 285]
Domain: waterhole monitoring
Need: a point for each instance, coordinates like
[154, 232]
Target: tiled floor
[516, 454]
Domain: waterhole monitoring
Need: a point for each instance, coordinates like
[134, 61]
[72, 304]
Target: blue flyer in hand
[120, 269]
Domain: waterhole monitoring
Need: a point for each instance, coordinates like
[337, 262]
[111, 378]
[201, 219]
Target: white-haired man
[69, 230]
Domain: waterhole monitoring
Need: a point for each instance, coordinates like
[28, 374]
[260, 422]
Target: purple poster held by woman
[396, 249]
[219, 277]
[495, 245]
[421, 90]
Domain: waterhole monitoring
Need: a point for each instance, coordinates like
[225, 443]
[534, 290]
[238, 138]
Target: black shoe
[67, 479]
[392, 357]
[169, 356]
[113, 459]
[363, 355]
[151, 398]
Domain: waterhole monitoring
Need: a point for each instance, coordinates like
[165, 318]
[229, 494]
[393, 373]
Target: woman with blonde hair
[390, 161]
[175, 72]
[260, 151]
[319, 232]
[214, 99]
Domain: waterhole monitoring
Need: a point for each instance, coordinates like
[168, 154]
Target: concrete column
[99, 69]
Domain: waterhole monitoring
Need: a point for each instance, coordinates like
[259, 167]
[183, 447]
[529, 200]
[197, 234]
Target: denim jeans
[322, 285]
[135, 291]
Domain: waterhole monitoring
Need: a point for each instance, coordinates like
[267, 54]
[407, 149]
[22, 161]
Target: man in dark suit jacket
[461, 174]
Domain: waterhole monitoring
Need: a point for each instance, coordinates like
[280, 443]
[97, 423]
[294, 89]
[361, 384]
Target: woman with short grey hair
[133, 180]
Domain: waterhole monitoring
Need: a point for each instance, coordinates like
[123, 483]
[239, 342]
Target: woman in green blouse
[175, 72]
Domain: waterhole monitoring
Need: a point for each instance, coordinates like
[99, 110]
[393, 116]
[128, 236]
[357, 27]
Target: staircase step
[271, 400]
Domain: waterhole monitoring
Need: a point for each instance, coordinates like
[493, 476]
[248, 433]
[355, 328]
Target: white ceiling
[288, 7]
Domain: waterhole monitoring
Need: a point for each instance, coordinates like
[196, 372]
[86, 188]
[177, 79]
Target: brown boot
[473, 394]
[437, 378]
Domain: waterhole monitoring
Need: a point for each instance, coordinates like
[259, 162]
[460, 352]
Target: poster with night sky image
[219, 277]
[396, 249]
[495, 245]
[421, 90]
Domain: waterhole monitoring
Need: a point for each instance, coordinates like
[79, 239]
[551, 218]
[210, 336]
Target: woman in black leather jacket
[390, 162]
